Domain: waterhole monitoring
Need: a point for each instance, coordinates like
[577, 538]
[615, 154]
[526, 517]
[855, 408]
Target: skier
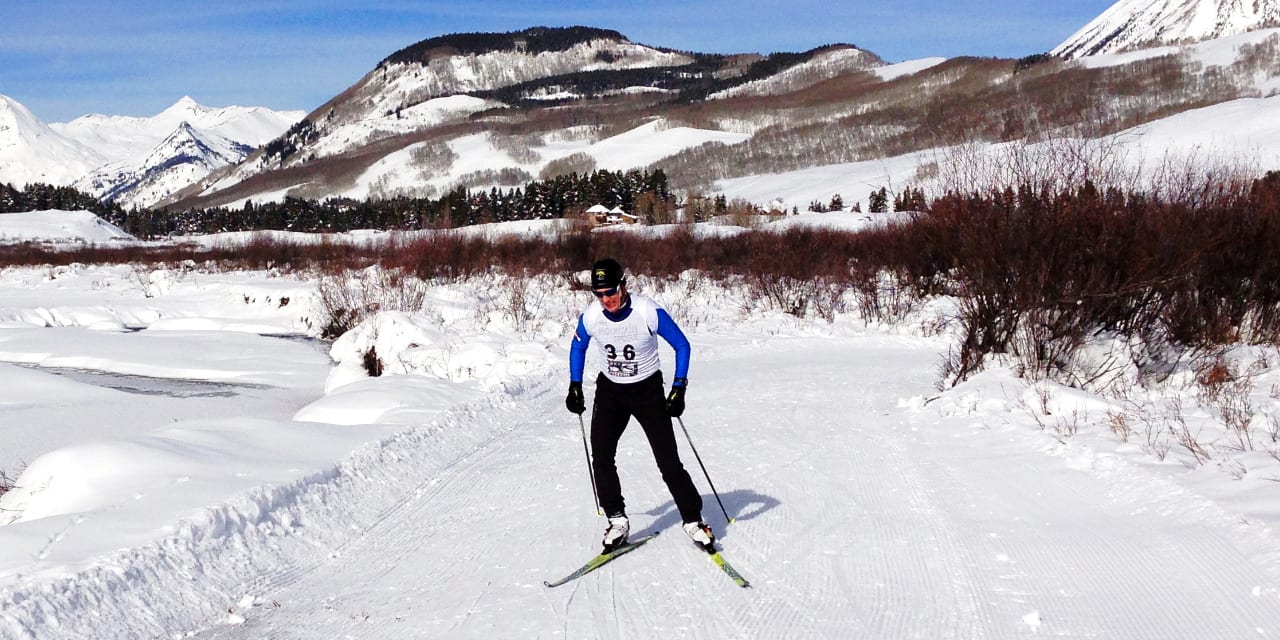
[626, 329]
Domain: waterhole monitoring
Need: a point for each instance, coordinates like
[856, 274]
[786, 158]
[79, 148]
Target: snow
[121, 138]
[30, 151]
[853, 181]
[1255, 132]
[1133, 23]
[651, 142]
[192, 465]
[906, 68]
[148, 158]
[637, 147]
[1219, 52]
[397, 121]
[58, 226]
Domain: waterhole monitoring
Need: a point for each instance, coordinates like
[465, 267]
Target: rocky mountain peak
[1132, 24]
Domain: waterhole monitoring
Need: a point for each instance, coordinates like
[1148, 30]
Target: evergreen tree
[878, 201]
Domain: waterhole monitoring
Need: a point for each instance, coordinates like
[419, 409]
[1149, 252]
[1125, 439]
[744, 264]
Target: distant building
[601, 215]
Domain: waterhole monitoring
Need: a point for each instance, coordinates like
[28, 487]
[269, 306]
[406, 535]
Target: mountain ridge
[1130, 24]
[107, 155]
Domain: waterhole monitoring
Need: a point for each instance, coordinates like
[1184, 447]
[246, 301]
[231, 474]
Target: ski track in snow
[859, 515]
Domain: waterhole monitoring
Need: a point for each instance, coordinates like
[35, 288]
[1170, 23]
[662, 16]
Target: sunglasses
[606, 293]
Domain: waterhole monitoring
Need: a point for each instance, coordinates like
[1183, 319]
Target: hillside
[481, 112]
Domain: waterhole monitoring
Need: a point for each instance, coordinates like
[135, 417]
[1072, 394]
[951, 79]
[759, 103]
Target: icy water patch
[151, 386]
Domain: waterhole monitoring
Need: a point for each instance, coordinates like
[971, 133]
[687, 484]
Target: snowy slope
[31, 151]
[1130, 24]
[58, 226]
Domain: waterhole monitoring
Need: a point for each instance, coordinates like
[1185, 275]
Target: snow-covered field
[194, 466]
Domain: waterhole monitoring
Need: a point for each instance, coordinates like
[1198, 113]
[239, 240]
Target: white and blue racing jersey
[627, 340]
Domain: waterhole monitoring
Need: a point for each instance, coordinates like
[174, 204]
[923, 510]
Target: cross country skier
[625, 328]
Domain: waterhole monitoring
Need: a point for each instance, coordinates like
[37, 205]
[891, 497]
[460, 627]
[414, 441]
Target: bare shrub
[1119, 425]
[1157, 433]
[1228, 392]
[1056, 161]
[882, 295]
[1046, 342]
[346, 299]
[523, 301]
[1068, 427]
[793, 296]
[1272, 445]
[1184, 435]
[10, 482]
[1157, 441]
[1038, 272]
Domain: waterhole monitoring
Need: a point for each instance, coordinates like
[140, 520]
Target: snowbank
[54, 226]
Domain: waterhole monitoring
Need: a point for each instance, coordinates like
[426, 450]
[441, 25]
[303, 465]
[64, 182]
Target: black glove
[675, 399]
[574, 401]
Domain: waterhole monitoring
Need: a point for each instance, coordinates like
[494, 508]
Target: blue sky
[65, 58]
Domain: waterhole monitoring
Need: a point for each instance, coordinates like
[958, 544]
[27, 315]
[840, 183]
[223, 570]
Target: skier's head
[609, 284]
[607, 274]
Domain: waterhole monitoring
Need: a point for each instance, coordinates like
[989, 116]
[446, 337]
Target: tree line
[642, 193]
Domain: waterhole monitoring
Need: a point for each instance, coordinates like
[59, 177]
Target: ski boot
[701, 535]
[616, 535]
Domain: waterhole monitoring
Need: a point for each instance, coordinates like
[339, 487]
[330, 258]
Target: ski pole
[590, 473]
[704, 470]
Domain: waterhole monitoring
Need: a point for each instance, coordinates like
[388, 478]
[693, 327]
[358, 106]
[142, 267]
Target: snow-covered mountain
[132, 160]
[123, 137]
[1130, 24]
[31, 151]
[401, 94]
[452, 110]
[184, 157]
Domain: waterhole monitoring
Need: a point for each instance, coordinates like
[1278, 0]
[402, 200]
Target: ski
[724, 565]
[602, 559]
[729, 570]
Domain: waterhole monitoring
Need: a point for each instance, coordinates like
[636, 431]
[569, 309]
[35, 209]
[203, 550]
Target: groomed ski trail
[861, 514]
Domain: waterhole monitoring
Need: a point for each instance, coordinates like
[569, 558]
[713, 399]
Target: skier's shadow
[742, 504]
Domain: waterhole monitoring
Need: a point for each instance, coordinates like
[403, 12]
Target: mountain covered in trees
[499, 110]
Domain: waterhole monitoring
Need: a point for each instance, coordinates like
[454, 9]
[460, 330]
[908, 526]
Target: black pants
[614, 406]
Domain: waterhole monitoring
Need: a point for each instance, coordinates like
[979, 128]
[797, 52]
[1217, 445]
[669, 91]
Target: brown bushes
[1036, 273]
